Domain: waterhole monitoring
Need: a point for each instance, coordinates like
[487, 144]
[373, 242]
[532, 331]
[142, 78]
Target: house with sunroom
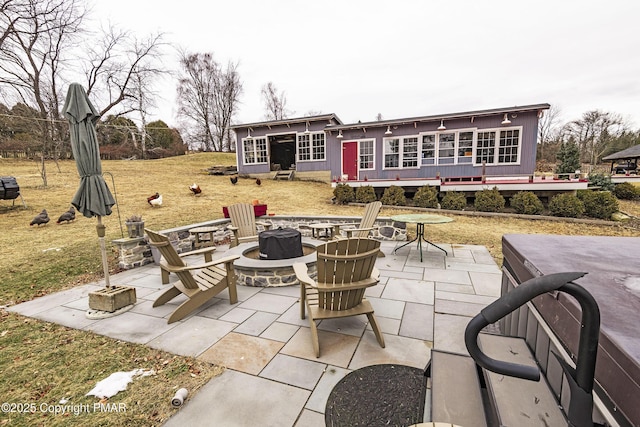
[464, 151]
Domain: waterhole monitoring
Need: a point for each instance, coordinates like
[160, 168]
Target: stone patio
[273, 377]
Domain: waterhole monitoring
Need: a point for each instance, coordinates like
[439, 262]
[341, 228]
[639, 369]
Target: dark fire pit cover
[280, 244]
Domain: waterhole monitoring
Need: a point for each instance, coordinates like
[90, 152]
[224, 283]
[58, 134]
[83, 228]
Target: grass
[44, 363]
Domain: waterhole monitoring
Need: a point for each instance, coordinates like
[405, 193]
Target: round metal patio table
[420, 220]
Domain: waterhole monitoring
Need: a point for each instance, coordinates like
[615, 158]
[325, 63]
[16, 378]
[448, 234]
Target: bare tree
[10, 16]
[594, 132]
[208, 99]
[121, 68]
[549, 128]
[549, 125]
[36, 46]
[120, 72]
[228, 89]
[31, 58]
[275, 103]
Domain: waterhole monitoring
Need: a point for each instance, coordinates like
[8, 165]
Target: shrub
[599, 204]
[426, 197]
[602, 181]
[365, 194]
[583, 194]
[454, 201]
[626, 191]
[566, 205]
[568, 157]
[394, 196]
[526, 202]
[489, 200]
[343, 194]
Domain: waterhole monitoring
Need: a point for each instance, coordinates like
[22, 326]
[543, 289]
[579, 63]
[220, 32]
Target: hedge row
[594, 204]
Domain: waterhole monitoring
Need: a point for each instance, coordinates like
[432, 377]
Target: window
[465, 147]
[485, 150]
[391, 153]
[428, 149]
[446, 148]
[366, 154]
[498, 146]
[304, 148]
[508, 147]
[410, 152]
[254, 150]
[311, 147]
[401, 151]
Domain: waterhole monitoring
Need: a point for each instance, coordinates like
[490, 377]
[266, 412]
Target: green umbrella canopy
[93, 198]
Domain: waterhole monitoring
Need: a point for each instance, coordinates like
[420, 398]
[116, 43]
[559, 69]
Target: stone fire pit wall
[136, 252]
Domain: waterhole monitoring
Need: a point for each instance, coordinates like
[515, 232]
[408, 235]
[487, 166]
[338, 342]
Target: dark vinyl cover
[614, 281]
[281, 243]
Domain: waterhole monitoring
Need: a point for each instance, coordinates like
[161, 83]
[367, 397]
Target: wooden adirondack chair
[206, 252]
[211, 279]
[244, 224]
[345, 270]
[367, 223]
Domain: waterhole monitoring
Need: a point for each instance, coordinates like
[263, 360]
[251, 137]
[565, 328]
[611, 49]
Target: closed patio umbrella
[93, 197]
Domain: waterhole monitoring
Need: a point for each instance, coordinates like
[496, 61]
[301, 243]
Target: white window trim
[401, 152]
[323, 159]
[456, 147]
[373, 144]
[255, 150]
[496, 145]
[435, 148]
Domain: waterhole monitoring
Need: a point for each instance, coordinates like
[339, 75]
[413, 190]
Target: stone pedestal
[112, 298]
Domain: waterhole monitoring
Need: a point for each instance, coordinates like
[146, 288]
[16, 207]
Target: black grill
[9, 189]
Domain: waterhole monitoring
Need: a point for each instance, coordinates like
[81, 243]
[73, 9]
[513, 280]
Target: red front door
[350, 160]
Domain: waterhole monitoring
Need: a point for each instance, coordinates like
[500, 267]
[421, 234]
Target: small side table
[329, 230]
[420, 220]
[201, 242]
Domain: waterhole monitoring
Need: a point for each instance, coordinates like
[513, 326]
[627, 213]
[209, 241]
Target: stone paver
[237, 399]
[272, 375]
[242, 352]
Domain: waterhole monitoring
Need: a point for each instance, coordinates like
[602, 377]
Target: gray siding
[526, 120]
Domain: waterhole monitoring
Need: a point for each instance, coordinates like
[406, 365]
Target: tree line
[120, 137]
[596, 134]
[46, 44]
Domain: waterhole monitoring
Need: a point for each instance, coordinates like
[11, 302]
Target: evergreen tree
[568, 158]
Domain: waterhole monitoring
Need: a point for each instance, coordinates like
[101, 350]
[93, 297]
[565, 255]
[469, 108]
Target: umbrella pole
[101, 229]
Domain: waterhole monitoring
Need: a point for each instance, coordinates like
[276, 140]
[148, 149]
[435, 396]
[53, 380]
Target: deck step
[456, 394]
[518, 402]
[286, 175]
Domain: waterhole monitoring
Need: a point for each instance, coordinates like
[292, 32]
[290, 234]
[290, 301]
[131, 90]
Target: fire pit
[282, 243]
[253, 271]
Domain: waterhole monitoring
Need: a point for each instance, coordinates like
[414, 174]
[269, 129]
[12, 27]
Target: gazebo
[631, 155]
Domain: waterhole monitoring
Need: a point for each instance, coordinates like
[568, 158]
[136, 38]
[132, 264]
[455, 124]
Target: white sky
[358, 58]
